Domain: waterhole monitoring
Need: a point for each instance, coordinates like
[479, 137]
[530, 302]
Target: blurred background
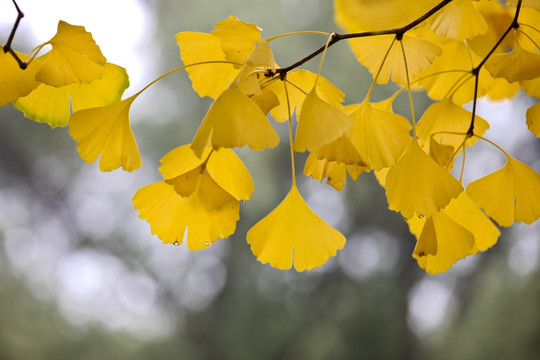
[82, 277]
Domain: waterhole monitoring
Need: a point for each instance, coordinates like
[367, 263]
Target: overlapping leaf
[73, 59]
[293, 234]
[508, 194]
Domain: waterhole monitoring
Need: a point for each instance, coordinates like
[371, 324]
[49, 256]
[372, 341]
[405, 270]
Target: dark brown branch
[399, 32]
[7, 47]
[476, 71]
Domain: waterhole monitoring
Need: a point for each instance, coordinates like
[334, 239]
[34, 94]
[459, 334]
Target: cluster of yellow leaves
[464, 50]
[74, 76]
[442, 55]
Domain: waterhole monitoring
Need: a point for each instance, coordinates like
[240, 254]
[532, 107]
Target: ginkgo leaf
[371, 52]
[262, 57]
[73, 57]
[508, 194]
[459, 20]
[106, 131]
[356, 16]
[14, 81]
[444, 121]
[416, 184]
[533, 119]
[234, 121]
[531, 87]
[229, 172]
[516, 65]
[237, 38]
[380, 136]
[319, 123]
[442, 154]
[300, 83]
[334, 172]
[181, 160]
[54, 105]
[293, 233]
[458, 83]
[207, 79]
[341, 150]
[319, 169]
[445, 237]
[170, 214]
[531, 3]
[453, 242]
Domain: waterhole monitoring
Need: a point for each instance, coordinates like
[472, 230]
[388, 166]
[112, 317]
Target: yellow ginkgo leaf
[416, 184]
[371, 51]
[516, 65]
[442, 154]
[356, 16]
[531, 3]
[73, 57]
[508, 194]
[14, 81]
[300, 83]
[453, 242]
[262, 57]
[54, 105]
[229, 172]
[207, 79]
[170, 215]
[319, 123]
[440, 83]
[237, 38]
[234, 120]
[380, 136]
[533, 119]
[531, 87]
[443, 120]
[106, 131]
[293, 233]
[181, 160]
[459, 230]
[459, 20]
[334, 172]
[341, 150]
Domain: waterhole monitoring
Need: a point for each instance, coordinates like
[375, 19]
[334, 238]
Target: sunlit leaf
[170, 214]
[380, 136]
[371, 51]
[459, 20]
[444, 121]
[459, 230]
[208, 79]
[300, 84]
[54, 105]
[416, 184]
[234, 121]
[14, 81]
[237, 38]
[533, 119]
[319, 123]
[516, 65]
[229, 172]
[293, 233]
[532, 3]
[181, 160]
[106, 131]
[508, 194]
[73, 59]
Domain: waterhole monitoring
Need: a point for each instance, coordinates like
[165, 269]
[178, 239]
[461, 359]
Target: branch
[399, 32]
[476, 71]
[7, 47]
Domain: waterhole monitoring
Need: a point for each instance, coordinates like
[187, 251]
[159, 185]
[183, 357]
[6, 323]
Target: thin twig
[7, 47]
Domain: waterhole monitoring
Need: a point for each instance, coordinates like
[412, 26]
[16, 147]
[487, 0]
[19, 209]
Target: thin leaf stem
[293, 167]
